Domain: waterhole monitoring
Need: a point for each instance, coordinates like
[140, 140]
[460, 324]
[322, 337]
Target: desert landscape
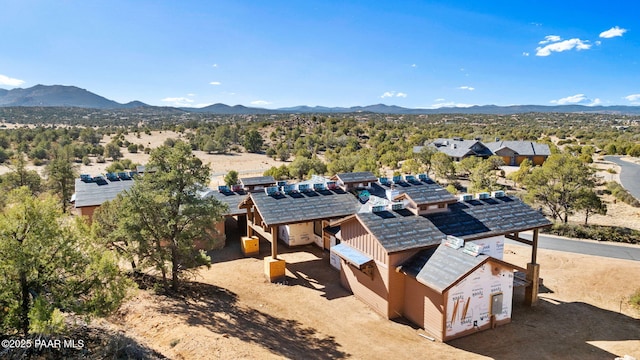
[232, 312]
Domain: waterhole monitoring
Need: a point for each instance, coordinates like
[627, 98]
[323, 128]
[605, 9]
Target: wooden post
[533, 274]
[274, 242]
[534, 248]
[531, 291]
[249, 221]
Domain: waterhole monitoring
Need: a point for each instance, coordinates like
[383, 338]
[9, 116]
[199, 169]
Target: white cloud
[598, 42]
[215, 83]
[525, 53]
[579, 99]
[550, 39]
[191, 95]
[563, 46]
[414, 65]
[466, 88]
[633, 98]
[613, 32]
[389, 94]
[214, 65]
[178, 101]
[439, 100]
[260, 102]
[5, 80]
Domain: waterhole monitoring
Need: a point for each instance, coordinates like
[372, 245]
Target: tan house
[379, 249]
[514, 152]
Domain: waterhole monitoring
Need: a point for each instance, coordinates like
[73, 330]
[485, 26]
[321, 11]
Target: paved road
[629, 175]
[584, 247]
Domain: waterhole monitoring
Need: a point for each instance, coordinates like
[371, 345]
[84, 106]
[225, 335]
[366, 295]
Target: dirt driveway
[233, 313]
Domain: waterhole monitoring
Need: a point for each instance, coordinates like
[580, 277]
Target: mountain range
[71, 96]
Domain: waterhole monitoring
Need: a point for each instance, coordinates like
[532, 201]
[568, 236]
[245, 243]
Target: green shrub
[635, 298]
[596, 232]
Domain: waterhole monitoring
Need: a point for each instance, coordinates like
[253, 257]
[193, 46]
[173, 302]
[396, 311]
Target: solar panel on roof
[282, 183]
[113, 177]
[86, 178]
[423, 177]
[318, 187]
[331, 185]
[410, 178]
[384, 180]
[236, 187]
[288, 189]
[100, 180]
[303, 187]
[124, 176]
[223, 189]
[272, 190]
[397, 179]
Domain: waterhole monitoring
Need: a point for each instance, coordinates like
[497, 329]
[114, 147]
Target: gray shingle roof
[232, 199]
[442, 266]
[461, 148]
[525, 148]
[491, 217]
[402, 230]
[258, 180]
[93, 194]
[425, 192]
[356, 177]
[300, 207]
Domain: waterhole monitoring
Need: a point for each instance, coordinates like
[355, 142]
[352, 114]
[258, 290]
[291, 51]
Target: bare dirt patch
[233, 312]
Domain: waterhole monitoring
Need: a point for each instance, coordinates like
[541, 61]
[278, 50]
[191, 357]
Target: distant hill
[60, 96]
[71, 96]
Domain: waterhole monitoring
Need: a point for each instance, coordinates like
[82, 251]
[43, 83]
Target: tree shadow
[217, 310]
[552, 330]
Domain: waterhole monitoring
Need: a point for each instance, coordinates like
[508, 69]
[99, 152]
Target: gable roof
[424, 192]
[94, 193]
[257, 180]
[442, 267]
[402, 230]
[357, 177]
[460, 148]
[525, 148]
[302, 207]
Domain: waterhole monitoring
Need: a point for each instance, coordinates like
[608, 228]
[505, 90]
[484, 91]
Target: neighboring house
[390, 258]
[512, 152]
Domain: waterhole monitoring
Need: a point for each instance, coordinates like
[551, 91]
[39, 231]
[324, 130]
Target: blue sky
[272, 54]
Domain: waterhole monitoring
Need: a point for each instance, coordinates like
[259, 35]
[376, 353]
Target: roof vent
[466, 197]
[483, 196]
